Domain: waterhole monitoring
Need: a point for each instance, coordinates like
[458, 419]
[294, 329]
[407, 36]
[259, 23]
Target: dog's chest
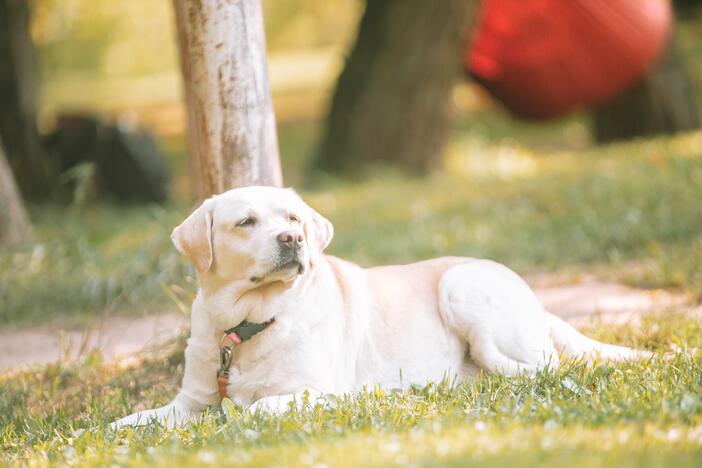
[277, 366]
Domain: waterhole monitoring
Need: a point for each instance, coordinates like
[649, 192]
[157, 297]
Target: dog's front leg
[279, 404]
[199, 387]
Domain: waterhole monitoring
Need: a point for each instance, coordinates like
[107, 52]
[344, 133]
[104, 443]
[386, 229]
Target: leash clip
[236, 335]
[225, 360]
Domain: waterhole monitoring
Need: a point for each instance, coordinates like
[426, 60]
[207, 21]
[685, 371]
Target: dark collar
[246, 330]
[242, 332]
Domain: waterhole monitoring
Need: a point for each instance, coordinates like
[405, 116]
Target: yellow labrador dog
[337, 327]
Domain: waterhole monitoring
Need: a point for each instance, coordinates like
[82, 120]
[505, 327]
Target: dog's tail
[571, 343]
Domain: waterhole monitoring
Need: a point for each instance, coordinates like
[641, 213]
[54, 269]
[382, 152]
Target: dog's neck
[228, 303]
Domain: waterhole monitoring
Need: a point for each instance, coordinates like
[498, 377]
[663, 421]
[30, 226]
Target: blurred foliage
[137, 37]
[119, 59]
[106, 38]
[309, 24]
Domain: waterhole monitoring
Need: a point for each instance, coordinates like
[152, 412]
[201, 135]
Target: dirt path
[120, 337]
[115, 337]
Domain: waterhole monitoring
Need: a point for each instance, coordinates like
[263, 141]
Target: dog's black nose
[290, 238]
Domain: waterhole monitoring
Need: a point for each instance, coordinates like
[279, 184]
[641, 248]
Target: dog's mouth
[289, 265]
[285, 265]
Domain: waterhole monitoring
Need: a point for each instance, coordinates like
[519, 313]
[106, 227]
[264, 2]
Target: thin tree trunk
[14, 224]
[662, 102]
[18, 99]
[392, 100]
[196, 187]
[231, 120]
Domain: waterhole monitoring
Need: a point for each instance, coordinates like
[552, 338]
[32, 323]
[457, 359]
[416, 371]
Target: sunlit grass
[636, 414]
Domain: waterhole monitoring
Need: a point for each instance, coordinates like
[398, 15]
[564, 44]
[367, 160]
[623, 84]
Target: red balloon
[543, 58]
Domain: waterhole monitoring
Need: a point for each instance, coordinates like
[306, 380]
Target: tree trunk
[392, 100]
[231, 124]
[17, 99]
[662, 102]
[196, 186]
[14, 224]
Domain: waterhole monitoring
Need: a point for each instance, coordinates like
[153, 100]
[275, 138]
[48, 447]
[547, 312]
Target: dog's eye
[246, 222]
[294, 219]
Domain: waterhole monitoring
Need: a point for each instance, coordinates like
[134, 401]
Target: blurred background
[550, 138]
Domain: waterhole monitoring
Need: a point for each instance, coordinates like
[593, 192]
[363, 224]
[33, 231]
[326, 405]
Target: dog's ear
[319, 233]
[193, 237]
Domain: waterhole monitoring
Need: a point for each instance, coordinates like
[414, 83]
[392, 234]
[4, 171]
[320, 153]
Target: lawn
[539, 202]
[637, 414]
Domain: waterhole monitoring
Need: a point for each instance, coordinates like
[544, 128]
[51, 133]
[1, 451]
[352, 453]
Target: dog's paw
[170, 416]
[279, 404]
[274, 405]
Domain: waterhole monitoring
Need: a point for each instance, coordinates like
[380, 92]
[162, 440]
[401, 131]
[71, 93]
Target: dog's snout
[290, 238]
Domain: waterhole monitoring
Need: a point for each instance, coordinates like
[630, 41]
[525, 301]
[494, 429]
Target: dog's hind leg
[497, 314]
[486, 354]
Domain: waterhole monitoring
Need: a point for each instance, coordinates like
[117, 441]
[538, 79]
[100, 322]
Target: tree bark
[662, 102]
[14, 224]
[392, 100]
[196, 186]
[231, 124]
[18, 99]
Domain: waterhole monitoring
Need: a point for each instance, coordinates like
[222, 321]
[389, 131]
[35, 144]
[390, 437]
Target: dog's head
[255, 234]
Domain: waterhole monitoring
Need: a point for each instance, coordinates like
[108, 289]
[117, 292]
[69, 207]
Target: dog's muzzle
[290, 256]
[290, 244]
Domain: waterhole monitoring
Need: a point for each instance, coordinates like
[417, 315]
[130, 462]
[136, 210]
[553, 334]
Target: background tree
[14, 224]
[663, 101]
[392, 99]
[231, 124]
[18, 99]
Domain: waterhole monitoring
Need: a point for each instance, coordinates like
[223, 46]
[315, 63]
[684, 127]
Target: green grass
[629, 212]
[90, 262]
[636, 414]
